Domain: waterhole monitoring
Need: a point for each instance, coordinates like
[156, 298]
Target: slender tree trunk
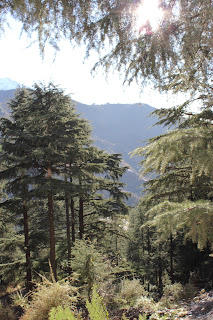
[72, 207]
[81, 218]
[116, 249]
[171, 259]
[68, 226]
[72, 219]
[27, 248]
[52, 235]
[149, 250]
[68, 234]
[51, 227]
[142, 240]
[160, 283]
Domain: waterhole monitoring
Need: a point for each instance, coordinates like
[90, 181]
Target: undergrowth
[53, 300]
[46, 296]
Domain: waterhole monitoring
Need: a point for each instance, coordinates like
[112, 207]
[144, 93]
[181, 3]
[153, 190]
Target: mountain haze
[8, 84]
[120, 128]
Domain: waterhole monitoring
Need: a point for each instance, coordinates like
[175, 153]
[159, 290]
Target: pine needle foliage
[179, 196]
[194, 218]
[177, 56]
[90, 264]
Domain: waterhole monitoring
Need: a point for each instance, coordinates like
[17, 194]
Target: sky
[23, 63]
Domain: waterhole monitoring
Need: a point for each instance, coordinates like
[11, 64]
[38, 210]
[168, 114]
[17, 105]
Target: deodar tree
[34, 150]
[49, 166]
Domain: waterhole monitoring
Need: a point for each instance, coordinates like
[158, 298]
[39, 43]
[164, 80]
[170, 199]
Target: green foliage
[90, 264]
[173, 293]
[195, 217]
[47, 161]
[96, 308]
[60, 313]
[177, 56]
[179, 197]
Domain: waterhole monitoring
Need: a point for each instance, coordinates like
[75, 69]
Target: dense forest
[71, 248]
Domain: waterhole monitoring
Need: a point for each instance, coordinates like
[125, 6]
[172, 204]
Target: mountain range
[116, 128]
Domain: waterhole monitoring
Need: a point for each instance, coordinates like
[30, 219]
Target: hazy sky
[24, 64]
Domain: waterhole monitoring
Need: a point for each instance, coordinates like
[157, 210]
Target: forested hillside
[63, 211]
[71, 248]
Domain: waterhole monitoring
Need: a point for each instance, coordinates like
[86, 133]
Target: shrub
[189, 291]
[145, 303]
[130, 291]
[49, 295]
[91, 266]
[172, 293]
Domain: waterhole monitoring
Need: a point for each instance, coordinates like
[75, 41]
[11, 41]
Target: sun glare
[148, 16]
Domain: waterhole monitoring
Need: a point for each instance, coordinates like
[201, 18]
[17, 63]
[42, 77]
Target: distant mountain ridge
[8, 84]
[116, 128]
[123, 127]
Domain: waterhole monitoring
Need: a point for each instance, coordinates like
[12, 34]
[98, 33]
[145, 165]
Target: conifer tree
[48, 157]
[179, 197]
[42, 128]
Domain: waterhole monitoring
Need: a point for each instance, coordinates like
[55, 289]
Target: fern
[60, 313]
[96, 308]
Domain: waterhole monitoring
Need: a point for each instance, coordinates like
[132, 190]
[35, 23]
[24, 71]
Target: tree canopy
[48, 164]
[177, 56]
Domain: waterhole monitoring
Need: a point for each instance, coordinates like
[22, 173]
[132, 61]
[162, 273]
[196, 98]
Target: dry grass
[46, 296]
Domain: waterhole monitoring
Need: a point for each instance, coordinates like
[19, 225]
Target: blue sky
[23, 63]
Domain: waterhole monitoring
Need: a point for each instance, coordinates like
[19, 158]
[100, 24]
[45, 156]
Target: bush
[91, 266]
[145, 303]
[130, 291]
[189, 291]
[49, 295]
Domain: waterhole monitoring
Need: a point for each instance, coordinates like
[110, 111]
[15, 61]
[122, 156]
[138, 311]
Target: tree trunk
[52, 235]
[81, 218]
[72, 219]
[116, 249]
[160, 282]
[171, 259]
[67, 224]
[27, 249]
[72, 208]
[68, 234]
[149, 250]
[51, 227]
